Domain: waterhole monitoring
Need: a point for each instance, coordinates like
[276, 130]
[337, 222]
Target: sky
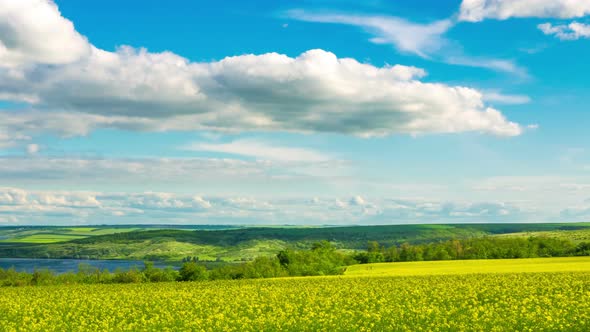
[299, 112]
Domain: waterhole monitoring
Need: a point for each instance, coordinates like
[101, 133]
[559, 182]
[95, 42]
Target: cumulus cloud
[133, 89]
[478, 10]
[33, 31]
[314, 92]
[572, 31]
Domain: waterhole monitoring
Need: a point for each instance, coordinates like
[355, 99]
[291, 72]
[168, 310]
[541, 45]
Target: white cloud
[357, 200]
[77, 199]
[549, 194]
[201, 202]
[133, 89]
[500, 65]
[502, 98]
[10, 137]
[424, 40]
[314, 92]
[261, 150]
[478, 10]
[19, 169]
[524, 199]
[67, 207]
[13, 196]
[32, 149]
[33, 31]
[213, 175]
[419, 39]
[572, 31]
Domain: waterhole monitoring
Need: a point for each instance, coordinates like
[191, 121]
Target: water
[67, 265]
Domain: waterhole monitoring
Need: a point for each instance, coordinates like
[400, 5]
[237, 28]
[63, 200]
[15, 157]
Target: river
[66, 265]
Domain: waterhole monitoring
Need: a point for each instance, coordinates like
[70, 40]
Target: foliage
[323, 259]
[209, 243]
[474, 248]
[153, 274]
[191, 271]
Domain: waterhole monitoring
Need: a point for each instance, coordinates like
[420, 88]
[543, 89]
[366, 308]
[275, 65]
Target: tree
[374, 252]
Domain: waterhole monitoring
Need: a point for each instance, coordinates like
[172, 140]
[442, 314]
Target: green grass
[172, 251]
[57, 234]
[81, 229]
[44, 238]
[560, 264]
[105, 231]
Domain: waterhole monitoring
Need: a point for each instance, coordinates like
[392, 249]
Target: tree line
[474, 248]
[321, 259]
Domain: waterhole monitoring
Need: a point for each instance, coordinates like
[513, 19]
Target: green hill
[234, 244]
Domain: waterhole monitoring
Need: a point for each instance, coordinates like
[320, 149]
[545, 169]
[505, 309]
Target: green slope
[171, 243]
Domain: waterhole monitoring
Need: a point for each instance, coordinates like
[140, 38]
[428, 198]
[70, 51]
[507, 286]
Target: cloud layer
[73, 87]
[261, 150]
[19, 206]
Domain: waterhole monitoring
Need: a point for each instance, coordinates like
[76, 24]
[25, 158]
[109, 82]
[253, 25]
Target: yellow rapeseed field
[555, 264]
[542, 301]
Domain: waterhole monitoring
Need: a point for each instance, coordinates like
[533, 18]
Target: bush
[191, 271]
[322, 259]
[43, 277]
[128, 277]
[11, 277]
[153, 274]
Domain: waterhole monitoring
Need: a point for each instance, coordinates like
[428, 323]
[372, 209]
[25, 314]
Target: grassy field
[525, 265]
[369, 301]
[57, 234]
[45, 238]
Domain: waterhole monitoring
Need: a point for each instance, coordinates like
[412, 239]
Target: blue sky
[294, 112]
